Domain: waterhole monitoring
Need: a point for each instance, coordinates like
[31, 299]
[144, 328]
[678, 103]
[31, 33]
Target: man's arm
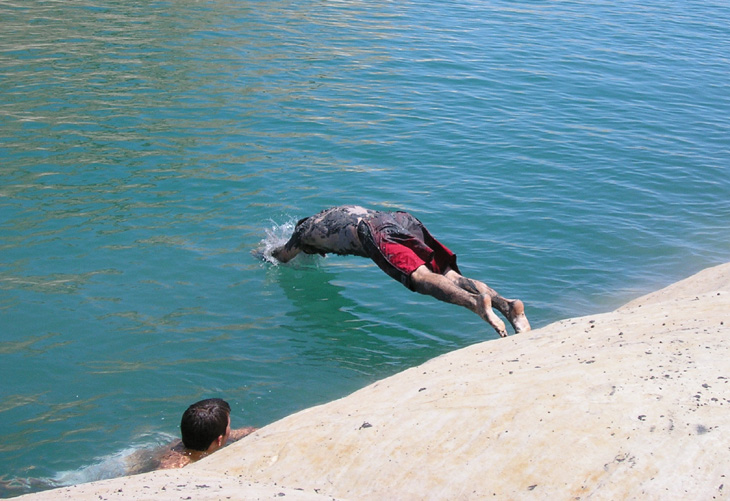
[239, 433]
[286, 252]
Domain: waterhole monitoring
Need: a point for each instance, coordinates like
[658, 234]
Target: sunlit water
[573, 154]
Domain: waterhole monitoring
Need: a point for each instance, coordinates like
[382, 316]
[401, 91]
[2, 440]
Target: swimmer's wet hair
[203, 422]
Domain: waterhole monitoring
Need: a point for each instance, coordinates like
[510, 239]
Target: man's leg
[512, 309]
[424, 281]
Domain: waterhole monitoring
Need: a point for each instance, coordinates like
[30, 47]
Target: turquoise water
[573, 154]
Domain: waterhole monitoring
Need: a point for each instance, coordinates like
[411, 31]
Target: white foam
[276, 236]
[124, 462]
[137, 458]
[112, 466]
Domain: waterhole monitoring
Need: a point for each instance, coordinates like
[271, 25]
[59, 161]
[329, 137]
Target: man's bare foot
[517, 316]
[484, 310]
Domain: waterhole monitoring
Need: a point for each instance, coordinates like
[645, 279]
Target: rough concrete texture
[623, 405]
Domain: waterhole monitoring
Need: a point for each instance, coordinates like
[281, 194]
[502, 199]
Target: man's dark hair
[203, 422]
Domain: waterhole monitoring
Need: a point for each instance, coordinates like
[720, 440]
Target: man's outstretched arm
[239, 433]
[286, 252]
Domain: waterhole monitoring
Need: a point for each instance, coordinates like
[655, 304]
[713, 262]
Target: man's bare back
[333, 231]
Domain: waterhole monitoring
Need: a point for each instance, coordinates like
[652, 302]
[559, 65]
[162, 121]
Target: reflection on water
[331, 329]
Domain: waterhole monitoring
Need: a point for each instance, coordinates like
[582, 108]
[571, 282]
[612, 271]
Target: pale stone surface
[629, 404]
[174, 485]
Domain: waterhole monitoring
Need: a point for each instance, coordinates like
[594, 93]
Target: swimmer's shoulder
[174, 457]
[239, 433]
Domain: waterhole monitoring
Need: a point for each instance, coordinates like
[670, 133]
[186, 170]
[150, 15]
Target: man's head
[205, 425]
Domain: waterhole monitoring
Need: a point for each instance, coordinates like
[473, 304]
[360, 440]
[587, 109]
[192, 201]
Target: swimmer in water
[404, 249]
[205, 428]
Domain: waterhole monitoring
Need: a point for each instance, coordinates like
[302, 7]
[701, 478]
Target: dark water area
[573, 155]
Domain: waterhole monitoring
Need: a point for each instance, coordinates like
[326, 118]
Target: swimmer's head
[204, 422]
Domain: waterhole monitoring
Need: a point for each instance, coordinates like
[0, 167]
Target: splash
[111, 466]
[137, 458]
[276, 236]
